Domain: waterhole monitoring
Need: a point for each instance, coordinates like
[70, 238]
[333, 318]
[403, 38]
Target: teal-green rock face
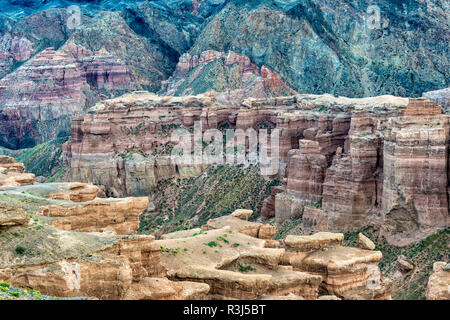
[333, 47]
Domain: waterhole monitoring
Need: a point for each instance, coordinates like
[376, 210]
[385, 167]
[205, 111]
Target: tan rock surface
[404, 264]
[12, 173]
[315, 242]
[237, 221]
[365, 243]
[13, 217]
[118, 215]
[439, 283]
[234, 265]
[348, 273]
[76, 192]
[347, 163]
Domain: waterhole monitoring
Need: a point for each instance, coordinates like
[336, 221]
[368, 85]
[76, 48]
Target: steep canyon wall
[346, 163]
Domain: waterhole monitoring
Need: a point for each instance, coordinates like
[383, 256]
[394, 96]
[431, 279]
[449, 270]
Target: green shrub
[211, 244]
[246, 267]
[20, 250]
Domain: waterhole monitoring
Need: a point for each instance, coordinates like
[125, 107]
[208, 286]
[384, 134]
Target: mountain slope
[327, 47]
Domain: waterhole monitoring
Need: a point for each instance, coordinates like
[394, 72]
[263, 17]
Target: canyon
[94, 103]
[346, 163]
[62, 240]
[51, 71]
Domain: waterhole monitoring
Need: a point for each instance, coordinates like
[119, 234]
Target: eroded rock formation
[38, 99]
[348, 273]
[230, 257]
[13, 49]
[43, 253]
[12, 173]
[233, 76]
[238, 260]
[441, 97]
[346, 163]
[439, 282]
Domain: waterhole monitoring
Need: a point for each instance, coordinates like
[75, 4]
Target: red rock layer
[13, 49]
[54, 85]
[254, 81]
[347, 163]
[395, 172]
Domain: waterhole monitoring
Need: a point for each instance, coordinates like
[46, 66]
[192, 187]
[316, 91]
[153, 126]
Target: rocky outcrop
[105, 268]
[352, 49]
[101, 70]
[229, 258]
[221, 45]
[404, 264]
[268, 209]
[13, 49]
[365, 243]
[13, 217]
[48, 87]
[12, 173]
[380, 176]
[439, 282]
[347, 273]
[76, 192]
[305, 176]
[118, 215]
[52, 87]
[441, 97]
[131, 159]
[70, 206]
[236, 267]
[346, 163]
[235, 263]
[135, 131]
[238, 221]
[347, 49]
[42, 252]
[233, 75]
[414, 186]
[75, 207]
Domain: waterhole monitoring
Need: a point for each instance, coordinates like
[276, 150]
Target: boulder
[365, 243]
[404, 264]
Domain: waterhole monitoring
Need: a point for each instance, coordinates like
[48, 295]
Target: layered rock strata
[348, 273]
[346, 163]
[45, 254]
[39, 98]
[228, 258]
[66, 207]
[237, 261]
[439, 283]
[12, 173]
[233, 76]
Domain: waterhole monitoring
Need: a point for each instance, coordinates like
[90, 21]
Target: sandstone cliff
[40, 249]
[12, 173]
[348, 163]
[230, 257]
[239, 259]
[439, 282]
